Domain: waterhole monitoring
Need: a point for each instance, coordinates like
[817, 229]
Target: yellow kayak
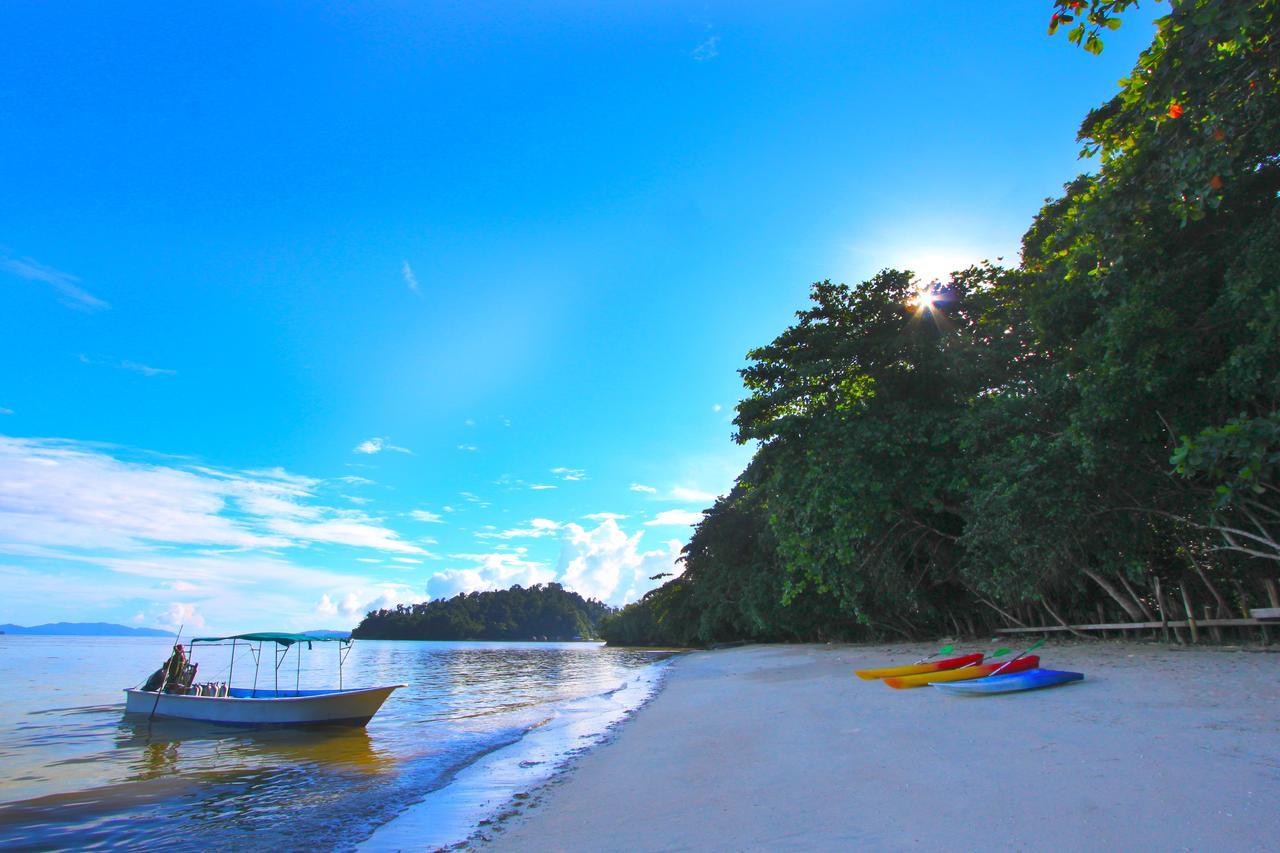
[917, 668]
[982, 671]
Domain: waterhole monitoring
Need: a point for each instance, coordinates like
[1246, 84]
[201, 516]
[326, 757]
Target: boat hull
[265, 708]
[918, 668]
[1033, 679]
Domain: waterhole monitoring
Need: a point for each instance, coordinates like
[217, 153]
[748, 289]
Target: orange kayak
[979, 671]
[918, 668]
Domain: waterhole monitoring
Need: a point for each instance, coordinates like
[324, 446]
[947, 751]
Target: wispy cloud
[377, 444]
[70, 495]
[570, 474]
[134, 366]
[541, 487]
[410, 279]
[675, 518]
[681, 493]
[715, 407]
[427, 516]
[605, 516]
[4, 411]
[468, 448]
[638, 487]
[708, 50]
[66, 284]
[538, 528]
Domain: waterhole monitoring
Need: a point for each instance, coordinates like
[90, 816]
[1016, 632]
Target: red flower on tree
[1175, 110]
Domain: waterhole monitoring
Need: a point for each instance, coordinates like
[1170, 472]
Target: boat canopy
[276, 637]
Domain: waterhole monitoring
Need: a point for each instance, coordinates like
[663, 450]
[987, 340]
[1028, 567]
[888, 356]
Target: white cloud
[648, 490]
[607, 564]
[708, 50]
[367, 560]
[181, 615]
[715, 407]
[410, 280]
[680, 493]
[66, 284]
[468, 448]
[326, 607]
[499, 570]
[427, 516]
[353, 480]
[408, 560]
[605, 516]
[377, 444]
[571, 474]
[359, 501]
[675, 517]
[540, 487]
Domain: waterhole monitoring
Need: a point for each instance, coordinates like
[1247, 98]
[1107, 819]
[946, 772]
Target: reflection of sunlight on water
[83, 774]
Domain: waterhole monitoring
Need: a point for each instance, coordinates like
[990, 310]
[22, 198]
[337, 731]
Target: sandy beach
[782, 748]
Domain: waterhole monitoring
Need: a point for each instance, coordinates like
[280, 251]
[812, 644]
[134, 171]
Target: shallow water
[478, 722]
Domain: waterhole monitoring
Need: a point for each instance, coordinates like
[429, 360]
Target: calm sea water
[478, 722]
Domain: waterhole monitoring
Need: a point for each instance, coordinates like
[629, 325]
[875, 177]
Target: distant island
[83, 629]
[540, 612]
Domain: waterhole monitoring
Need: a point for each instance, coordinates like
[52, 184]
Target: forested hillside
[1038, 442]
[540, 612]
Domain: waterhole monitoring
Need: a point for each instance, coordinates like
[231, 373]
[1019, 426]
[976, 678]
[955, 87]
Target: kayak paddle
[947, 649]
[1037, 645]
[997, 653]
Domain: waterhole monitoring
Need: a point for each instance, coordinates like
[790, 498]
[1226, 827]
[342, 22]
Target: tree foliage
[544, 612]
[1056, 436]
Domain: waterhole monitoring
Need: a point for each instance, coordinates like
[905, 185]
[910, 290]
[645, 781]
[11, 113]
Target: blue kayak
[1032, 679]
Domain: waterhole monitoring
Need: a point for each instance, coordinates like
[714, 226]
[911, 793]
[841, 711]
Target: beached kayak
[1032, 679]
[965, 674]
[917, 668]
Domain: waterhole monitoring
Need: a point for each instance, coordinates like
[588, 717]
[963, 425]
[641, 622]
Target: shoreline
[783, 747]
[490, 787]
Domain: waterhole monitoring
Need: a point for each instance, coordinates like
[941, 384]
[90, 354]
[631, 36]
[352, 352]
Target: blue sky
[517, 251]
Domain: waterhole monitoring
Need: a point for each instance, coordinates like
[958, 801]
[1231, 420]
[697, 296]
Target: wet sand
[782, 748]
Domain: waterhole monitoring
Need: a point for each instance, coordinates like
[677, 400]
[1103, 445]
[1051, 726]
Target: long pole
[164, 682]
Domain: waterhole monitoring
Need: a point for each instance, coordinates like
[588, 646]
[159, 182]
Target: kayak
[917, 668]
[1032, 679]
[966, 674]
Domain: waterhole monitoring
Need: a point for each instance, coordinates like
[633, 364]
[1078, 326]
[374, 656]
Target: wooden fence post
[1213, 629]
[1191, 614]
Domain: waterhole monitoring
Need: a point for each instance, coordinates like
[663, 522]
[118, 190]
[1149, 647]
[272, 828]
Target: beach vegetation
[1033, 441]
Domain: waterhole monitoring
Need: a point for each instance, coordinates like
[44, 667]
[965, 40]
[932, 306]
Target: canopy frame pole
[257, 664]
[231, 670]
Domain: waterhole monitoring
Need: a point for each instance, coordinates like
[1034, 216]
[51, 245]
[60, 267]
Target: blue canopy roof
[277, 637]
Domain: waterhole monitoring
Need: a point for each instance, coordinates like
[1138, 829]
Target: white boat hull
[265, 707]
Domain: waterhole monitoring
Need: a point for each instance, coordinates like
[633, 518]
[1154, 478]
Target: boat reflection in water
[166, 747]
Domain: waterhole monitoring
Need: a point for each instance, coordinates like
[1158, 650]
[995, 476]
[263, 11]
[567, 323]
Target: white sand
[782, 748]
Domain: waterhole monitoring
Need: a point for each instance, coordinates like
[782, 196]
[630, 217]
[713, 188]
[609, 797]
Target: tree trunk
[1129, 607]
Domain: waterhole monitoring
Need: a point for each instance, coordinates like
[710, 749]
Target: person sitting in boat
[175, 675]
